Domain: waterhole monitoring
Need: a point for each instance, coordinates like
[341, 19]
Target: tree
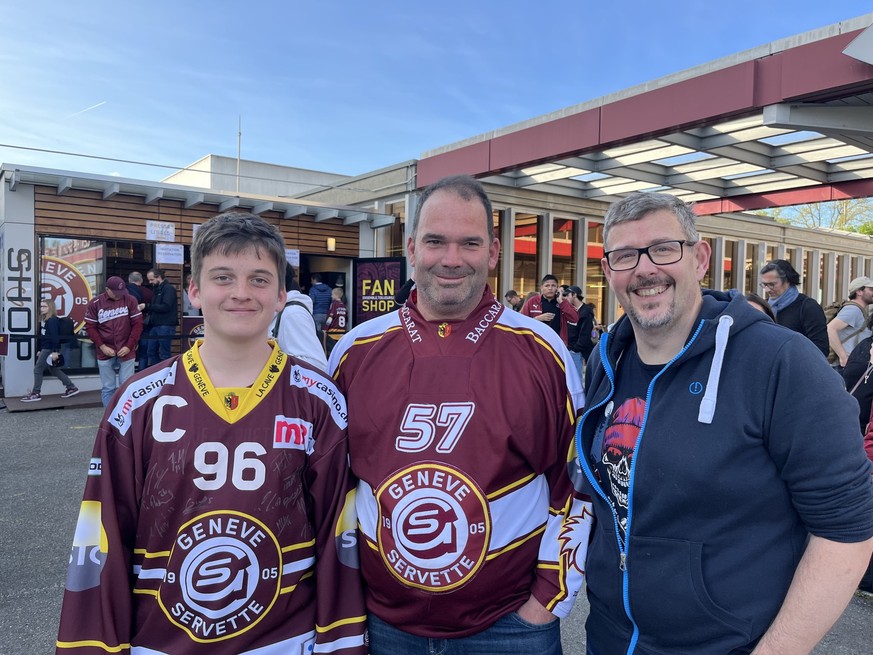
[852, 215]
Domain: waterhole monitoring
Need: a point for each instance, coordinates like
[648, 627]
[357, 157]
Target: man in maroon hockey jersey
[113, 321]
[218, 514]
[461, 417]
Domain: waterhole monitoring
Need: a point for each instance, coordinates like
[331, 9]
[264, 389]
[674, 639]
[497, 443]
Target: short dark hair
[157, 272]
[463, 186]
[784, 270]
[547, 277]
[315, 277]
[758, 301]
[512, 293]
[234, 232]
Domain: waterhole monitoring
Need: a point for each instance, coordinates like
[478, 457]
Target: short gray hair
[638, 205]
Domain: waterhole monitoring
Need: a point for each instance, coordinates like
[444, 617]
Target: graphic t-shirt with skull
[612, 452]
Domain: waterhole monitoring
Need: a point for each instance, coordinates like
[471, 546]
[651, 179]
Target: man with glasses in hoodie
[732, 496]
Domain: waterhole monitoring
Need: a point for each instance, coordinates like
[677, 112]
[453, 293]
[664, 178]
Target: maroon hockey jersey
[462, 434]
[217, 521]
[116, 323]
[337, 322]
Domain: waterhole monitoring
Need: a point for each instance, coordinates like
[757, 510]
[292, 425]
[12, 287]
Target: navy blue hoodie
[749, 443]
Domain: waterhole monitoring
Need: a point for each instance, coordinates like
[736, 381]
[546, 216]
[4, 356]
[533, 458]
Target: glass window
[564, 236]
[730, 259]
[397, 242]
[494, 276]
[524, 245]
[72, 271]
[595, 281]
[709, 278]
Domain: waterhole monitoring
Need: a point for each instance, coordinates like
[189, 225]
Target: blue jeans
[511, 635]
[160, 343]
[107, 376]
[579, 361]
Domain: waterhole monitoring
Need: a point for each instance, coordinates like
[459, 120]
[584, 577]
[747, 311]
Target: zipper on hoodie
[583, 461]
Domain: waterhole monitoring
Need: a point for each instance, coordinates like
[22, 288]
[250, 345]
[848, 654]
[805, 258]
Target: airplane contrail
[99, 104]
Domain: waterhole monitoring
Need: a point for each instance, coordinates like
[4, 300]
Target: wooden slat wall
[85, 214]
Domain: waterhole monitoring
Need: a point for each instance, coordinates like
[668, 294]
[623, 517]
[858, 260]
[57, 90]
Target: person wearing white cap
[849, 326]
[113, 322]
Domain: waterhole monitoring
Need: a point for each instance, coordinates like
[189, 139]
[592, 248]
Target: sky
[345, 87]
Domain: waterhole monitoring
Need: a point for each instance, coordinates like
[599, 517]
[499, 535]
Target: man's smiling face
[657, 296]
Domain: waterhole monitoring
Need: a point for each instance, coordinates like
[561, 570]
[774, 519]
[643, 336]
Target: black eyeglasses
[661, 254]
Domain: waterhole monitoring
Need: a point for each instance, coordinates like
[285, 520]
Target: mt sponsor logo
[293, 433]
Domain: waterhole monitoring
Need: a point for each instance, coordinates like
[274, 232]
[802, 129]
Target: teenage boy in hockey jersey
[460, 430]
[218, 514]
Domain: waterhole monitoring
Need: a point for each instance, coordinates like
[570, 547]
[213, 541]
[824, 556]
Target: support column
[759, 262]
[718, 263]
[828, 290]
[545, 246]
[507, 264]
[780, 252]
[580, 253]
[739, 265]
[858, 266]
[842, 290]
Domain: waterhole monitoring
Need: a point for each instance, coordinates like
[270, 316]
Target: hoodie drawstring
[707, 405]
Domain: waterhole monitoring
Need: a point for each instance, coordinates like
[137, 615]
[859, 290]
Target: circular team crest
[196, 333]
[222, 576]
[434, 526]
[65, 284]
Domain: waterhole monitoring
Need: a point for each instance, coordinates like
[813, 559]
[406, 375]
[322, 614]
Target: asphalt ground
[43, 464]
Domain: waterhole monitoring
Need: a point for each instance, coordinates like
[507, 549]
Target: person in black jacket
[48, 354]
[858, 378]
[793, 309]
[164, 314]
[579, 335]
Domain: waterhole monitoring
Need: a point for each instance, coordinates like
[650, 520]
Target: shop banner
[376, 282]
[192, 329]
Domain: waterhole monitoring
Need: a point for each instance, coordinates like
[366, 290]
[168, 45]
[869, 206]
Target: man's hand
[545, 317]
[533, 612]
[106, 350]
[123, 351]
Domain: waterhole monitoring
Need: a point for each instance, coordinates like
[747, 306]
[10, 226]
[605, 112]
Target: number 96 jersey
[217, 520]
[461, 434]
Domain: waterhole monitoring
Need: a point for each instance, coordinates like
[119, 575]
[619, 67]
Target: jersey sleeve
[96, 614]
[564, 546]
[340, 613]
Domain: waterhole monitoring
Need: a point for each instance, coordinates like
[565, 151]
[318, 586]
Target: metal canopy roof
[787, 123]
[776, 149]
[110, 186]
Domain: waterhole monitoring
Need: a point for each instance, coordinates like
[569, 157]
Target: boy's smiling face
[239, 295]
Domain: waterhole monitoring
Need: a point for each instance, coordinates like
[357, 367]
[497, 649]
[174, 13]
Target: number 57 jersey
[461, 434]
[217, 521]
